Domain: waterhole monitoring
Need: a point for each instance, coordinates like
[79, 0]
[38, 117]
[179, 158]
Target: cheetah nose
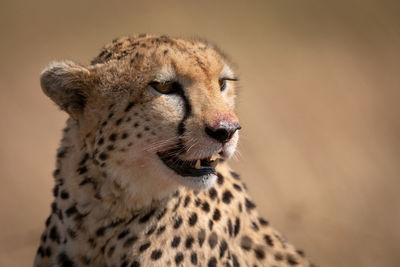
[223, 131]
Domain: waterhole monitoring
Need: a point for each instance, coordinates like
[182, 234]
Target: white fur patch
[166, 74]
[226, 72]
[198, 183]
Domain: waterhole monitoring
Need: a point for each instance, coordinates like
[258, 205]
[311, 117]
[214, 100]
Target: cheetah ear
[68, 85]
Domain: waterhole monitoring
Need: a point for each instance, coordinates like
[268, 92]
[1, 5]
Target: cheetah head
[151, 111]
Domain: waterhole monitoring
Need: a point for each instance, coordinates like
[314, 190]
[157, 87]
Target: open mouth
[192, 168]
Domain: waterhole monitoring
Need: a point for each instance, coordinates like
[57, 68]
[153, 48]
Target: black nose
[222, 133]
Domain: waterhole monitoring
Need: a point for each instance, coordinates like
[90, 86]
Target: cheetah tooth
[198, 164]
[213, 163]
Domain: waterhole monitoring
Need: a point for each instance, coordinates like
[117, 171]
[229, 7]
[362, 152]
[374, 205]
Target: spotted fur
[115, 203]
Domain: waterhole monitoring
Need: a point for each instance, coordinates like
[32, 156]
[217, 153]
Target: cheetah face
[206, 131]
[152, 110]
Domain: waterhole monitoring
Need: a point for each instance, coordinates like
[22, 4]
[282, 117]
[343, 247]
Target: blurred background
[319, 105]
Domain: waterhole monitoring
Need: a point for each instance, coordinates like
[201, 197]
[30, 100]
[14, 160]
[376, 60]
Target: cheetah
[141, 176]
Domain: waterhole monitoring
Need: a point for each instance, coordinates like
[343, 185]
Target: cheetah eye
[222, 82]
[165, 88]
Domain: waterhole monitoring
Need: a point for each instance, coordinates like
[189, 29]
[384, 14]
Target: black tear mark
[188, 110]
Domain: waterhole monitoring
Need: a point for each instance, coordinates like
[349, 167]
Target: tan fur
[116, 203]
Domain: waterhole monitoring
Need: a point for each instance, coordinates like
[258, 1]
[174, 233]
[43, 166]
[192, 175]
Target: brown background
[320, 147]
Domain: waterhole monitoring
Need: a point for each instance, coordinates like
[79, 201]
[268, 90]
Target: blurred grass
[319, 103]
